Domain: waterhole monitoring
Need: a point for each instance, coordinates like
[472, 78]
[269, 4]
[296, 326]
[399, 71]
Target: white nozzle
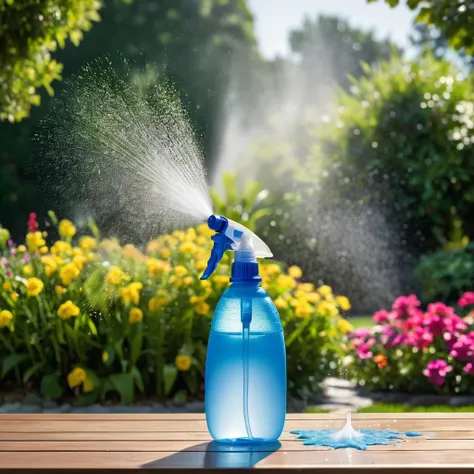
[246, 250]
[259, 247]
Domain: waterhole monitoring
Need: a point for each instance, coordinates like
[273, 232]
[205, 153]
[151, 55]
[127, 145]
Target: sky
[275, 18]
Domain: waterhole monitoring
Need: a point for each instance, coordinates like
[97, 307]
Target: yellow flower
[43, 250]
[272, 269]
[61, 248]
[280, 303]
[67, 229]
[21, 248]
[286, 282]
[68, 273]
[201, 265]
[34, 286]
[27, 269]
[79, 261]
[190, 235]
[179, 234]
[14, 296]
[157, 303]
[303, 310]
[183, 362]
[7, 286]
[67, 310]
[153, 246]
[344, 325]
[201, 241]
[5, 318]
[135, 315]
[313, 297]
[180, 270]
[76, 377]
[109, 245]
[131, 252]
[187, 281]
[205, 283]
[157, 267]
[204, 230]
[34, 240]
[131, 293]
[59, 289]
[202, 308]
[327, 309]
[220, 279]
[343, 303]
[88, 385]
[306, 287]
[115, 276]
[87, 243]
[50, 265]
[165, 253]
[325, 290]
[295, 272]
[188, 247]
[105, 356]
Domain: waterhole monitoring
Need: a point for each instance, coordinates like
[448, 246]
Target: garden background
[351, 159]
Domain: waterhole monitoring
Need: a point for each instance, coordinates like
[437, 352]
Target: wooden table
[145, 443]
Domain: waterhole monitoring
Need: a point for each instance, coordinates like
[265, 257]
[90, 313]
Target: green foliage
[30, 30]
[244, 205]
[455, 19]
[445, 274]
[400, 408]
[403, 137]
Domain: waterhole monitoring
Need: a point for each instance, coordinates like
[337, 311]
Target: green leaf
[51, 387]
[137, 376]
[92, 327]
[111, 353]
[124, 384]
[191, 381]
[170, 372]
[86, 399]
[93, 228]
[136, 345]
[12, 361]
[31, 371]
[53, 217]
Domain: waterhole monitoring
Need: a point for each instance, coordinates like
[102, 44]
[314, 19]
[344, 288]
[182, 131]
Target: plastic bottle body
[246, 368]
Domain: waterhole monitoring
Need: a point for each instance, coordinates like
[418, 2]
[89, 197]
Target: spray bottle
[245, 380]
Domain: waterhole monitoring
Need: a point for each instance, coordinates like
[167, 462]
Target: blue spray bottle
[245, 381]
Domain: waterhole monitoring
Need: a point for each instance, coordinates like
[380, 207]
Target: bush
[445, 274]
[402, 139]
[411, 350]
[90, 318]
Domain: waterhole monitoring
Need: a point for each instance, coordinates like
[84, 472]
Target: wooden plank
[175, 436]
[329, 460]
[192, 446]
[201, 416]
[200, 425]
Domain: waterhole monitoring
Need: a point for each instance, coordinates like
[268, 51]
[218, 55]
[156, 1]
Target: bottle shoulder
[227, 316]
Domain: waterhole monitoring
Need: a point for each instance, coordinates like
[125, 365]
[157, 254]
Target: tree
[454, 18]
[30, 30]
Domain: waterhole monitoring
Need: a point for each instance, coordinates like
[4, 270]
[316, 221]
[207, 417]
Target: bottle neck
[245, 272]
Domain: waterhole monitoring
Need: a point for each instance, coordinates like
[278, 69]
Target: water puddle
[348, 437]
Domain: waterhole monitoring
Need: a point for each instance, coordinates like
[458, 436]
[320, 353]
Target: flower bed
[90, 318]
[411, 350]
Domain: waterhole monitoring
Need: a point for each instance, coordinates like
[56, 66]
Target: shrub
[91, 318]
[402, 138]
[411, 350]
[445, 274]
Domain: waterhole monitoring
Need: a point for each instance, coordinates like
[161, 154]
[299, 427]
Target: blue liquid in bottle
[246, 368]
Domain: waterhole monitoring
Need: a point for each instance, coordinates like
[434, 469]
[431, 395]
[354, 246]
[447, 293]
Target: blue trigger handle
[221, 243]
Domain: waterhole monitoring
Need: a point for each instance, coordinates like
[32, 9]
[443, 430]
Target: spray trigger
[221, 244]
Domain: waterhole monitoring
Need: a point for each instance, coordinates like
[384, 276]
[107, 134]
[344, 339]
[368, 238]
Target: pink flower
[466, 299]
[361, 333]
[10, 242]
[469, 368]
[4, 261]
[381, 316]
[420, 338]
[463, 348]
[441, 318]
[403, 306]
[363, 351]
[437, 370]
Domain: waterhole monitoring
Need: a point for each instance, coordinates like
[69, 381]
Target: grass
[361, 322]
[315, 410]
[400, 408]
